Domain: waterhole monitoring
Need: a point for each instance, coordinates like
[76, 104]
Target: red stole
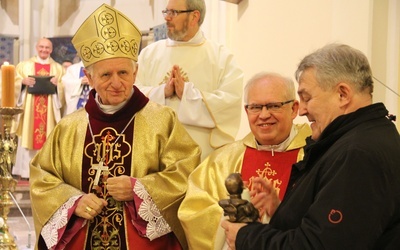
[277, 168]
[40, 110]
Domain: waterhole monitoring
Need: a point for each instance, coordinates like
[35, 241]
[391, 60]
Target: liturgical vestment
[200, 213]
[143, 140]
[50, 109]
[212, 97]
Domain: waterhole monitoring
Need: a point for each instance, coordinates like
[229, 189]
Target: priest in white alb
[197, 77]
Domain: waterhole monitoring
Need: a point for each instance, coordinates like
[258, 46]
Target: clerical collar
[279, 147]
[41, 61]
[196, 40]
[111, 109]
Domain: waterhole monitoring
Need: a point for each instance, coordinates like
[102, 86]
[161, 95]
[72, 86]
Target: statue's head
[234, 184]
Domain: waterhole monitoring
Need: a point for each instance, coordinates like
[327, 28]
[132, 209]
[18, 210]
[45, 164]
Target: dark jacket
[345, 194]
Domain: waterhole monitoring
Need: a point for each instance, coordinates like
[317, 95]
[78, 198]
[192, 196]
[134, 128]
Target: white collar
[279, 147]
[110, 109]
[41, 61]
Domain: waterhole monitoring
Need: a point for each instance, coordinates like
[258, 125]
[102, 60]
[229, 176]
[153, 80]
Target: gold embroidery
[106, 231]
[42, 72]
[268, 173]
[41, 118]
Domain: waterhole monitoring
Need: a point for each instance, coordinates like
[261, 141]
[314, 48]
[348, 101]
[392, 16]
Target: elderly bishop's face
[112, 79]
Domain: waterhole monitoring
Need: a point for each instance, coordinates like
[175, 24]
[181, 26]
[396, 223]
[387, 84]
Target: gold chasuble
[138, 141]
[40, 110]
[207, 183]
[108, 153]
[142, 140]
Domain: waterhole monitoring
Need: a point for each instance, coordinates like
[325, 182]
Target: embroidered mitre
[107, 33]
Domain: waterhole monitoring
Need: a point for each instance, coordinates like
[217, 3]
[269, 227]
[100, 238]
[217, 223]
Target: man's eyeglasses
[174, 13]
[272, 107]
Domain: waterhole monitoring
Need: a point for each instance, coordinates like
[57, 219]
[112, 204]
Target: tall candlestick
[7, 85]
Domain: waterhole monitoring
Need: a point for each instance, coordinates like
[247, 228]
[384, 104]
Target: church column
[25, 29]
[49, 18]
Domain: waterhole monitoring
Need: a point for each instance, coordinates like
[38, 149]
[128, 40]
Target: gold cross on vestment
[99, 168]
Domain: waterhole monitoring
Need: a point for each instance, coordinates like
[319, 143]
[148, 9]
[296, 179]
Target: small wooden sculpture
[236, 208]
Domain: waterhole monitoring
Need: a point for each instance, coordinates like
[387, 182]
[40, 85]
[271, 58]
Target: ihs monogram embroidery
[107, 155]
[268, 173]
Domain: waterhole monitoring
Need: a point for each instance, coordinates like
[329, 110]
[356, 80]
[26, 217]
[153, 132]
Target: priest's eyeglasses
[174, 13]
[272, 107]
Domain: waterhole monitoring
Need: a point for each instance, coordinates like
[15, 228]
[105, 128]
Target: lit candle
[7, 85]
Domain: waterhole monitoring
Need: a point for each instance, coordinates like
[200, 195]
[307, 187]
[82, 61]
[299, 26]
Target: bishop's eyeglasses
[272, 107]
[174, 13]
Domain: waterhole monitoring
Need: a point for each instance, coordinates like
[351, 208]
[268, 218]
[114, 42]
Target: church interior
[263, 35]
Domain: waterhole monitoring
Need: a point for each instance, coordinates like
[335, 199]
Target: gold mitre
[106, 33]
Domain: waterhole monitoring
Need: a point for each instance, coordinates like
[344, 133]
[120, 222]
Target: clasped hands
[175, 83]
[89, 205]
[264, 198]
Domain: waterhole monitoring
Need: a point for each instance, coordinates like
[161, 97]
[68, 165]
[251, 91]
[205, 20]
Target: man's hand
[264, 196]
[53, 80]
[89, 206]
[231, 230]
[169, 89]
[179, 81]
[120, 188]
[28, 81]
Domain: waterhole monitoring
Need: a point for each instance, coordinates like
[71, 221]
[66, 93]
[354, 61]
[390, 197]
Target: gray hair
[197, 5]
[336, 63]
[289, 84]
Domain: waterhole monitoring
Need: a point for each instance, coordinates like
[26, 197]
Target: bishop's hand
[120, 188]
[89, 206]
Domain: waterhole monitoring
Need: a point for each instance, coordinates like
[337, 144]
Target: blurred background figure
[76, 88]
[41, 111]
[66, 64]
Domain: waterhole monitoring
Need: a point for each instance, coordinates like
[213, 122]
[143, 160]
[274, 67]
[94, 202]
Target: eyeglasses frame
[266, 106]
[174, 13]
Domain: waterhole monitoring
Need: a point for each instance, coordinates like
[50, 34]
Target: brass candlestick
[8, 147]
